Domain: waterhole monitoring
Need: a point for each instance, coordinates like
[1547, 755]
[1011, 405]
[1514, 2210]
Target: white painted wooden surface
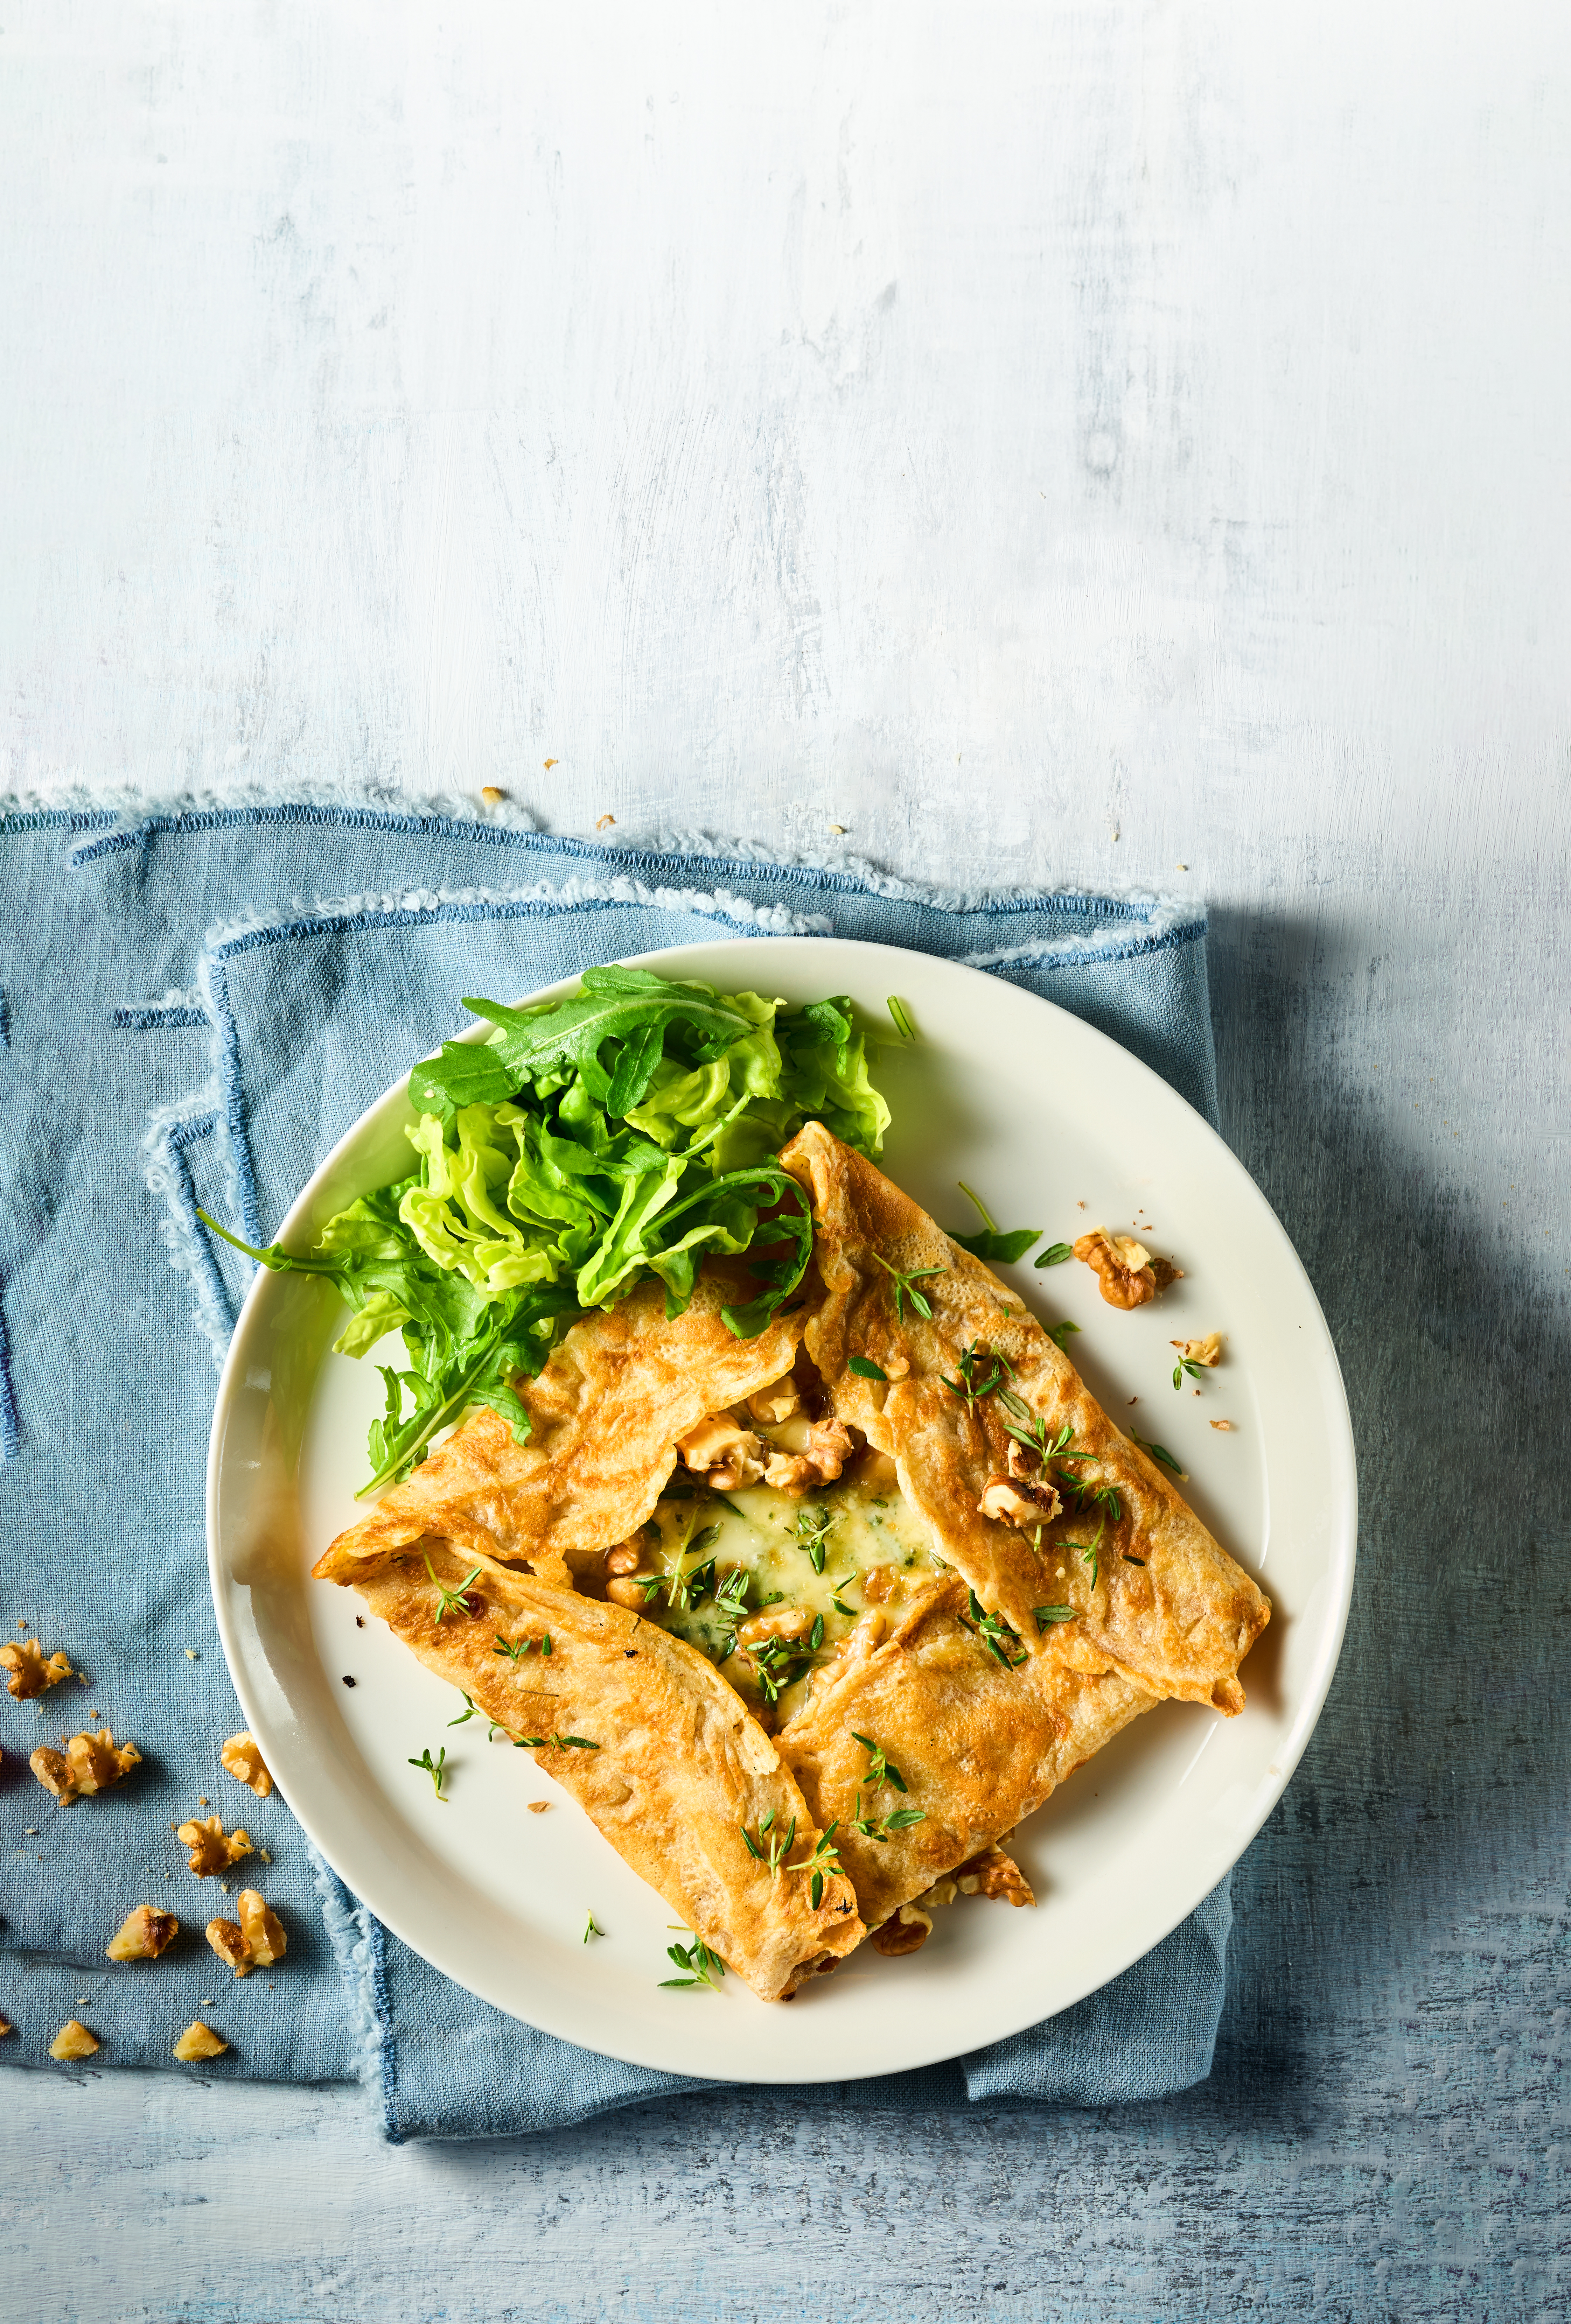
[1123, 443]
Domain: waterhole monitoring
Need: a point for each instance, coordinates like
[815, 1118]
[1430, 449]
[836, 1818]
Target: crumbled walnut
[539, 1807]
[1208, 1350]
[1221, 1424]
[264, 1936]
[628, 1589]
[211, 1850]
[626, 1557]
[827, 1448]
[880, 1583]
[865, 1635]
[228, 1939]
[89, 1764]
[780, 1622]
[1128, 1274]
[199, 2041]
[73, 2041]
[770, 1405]
[6, 2027]
[245, 1762]
[906, 1931]
[1024, 1504]
[711, 1440]
[31, 1672]
[143, 1935]
[991, 1873]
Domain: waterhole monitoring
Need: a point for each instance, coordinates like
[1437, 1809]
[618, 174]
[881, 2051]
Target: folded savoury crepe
[883, 1577]
[648, 1738]
[1157, 1600]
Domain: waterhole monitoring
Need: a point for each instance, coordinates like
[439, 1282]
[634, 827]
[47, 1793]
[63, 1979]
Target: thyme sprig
[1158, 1452]
[515, 1649]
[1187, 1364]
[1091, 1551]
[434, 1768]
[703, 1967]
[450, 1601]
[971, 1387]
[996, 1634]
[880, 1770]
[553, 1743]
[592, 1929]
[813, 1528]
[905, 1287]
[771, 1848]
[475, 1712]
[780, 1662]
[1085, 1495]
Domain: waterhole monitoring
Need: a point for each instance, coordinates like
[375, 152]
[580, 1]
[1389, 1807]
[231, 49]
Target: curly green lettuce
[585, 1146]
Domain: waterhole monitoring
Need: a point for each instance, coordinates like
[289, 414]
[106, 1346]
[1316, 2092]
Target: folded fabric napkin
[194, 1007]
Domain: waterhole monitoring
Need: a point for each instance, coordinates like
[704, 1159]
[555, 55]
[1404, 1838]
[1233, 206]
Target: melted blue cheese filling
[770, 1586]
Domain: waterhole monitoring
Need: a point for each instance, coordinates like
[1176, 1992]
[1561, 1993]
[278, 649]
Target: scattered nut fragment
[626, 1557]
[1022, 1503]
[491, 795]
[1128, 1274]
[245, 1762]
[6, 2027]
[729, 1455]
[780, 1622]
[991, 1873]
[256, 1940]
[539, 1807]
[628, 1589]
[199, 2041]
[828, 1448]
[905, 1932]
[143, 1935]
[73, 2041]
[89, 1764]
[602, 822]
[1208, 1350]
[770, 1405]
[210, 1850]
[31, 1672]
[1221, 1424]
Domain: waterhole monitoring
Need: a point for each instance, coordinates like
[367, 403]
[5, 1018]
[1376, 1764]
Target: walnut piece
[1206, 1350]
[199, 2041]
[6, 2027]
[827, 1448]
[31, 1674]
[770, 1405]
[245, 1762]
[905, 1932]
[73, 2041]
[210, 1850]
[625, 1558]
[1221, 1424]
[539, 1807]
[991, 1873]
[780, 1622]
[1129, 1275]
[727, 1455]
[89, 1764]
[256, 1940]
[1025, 1504]
[143, 1935]
[625, 1589]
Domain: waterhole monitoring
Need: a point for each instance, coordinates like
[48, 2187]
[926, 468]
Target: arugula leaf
[991, 1243]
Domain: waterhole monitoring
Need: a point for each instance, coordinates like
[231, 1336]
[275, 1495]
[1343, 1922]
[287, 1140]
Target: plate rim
[1342, 1505]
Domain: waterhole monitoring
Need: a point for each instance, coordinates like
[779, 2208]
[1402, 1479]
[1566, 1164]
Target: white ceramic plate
[498, 1898]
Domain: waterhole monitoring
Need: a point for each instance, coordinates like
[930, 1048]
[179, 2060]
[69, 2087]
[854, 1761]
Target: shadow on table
[1428, 1805]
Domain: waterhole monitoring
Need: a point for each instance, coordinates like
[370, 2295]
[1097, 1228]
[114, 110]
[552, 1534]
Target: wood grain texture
[991, 431]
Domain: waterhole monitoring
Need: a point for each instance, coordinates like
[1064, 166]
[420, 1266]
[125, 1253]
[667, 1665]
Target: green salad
[585, 1146]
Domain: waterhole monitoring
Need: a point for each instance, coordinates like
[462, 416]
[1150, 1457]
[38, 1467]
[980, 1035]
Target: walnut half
[245, 1762]
[211, 1849]
[143, 1935]
[89, 1764]
[1128, 1274]
[726, 1455]
[827, 1448]
[31, 1672]
[1024, 1504]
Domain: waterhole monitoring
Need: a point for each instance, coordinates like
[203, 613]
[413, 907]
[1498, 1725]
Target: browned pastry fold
[681, 1768]
[604, 1412]
[1179, 1622]
[978, 1745]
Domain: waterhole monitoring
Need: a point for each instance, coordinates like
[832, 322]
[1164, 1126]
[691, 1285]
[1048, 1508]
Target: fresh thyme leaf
[575, 1743]
[903, 1023]
[905, 1287]
[1054, 1255]
[1132, 1561]
[841, 1607]
[971, 1387]
[433, 1769]
[553, 1743]
[1187, 1364]
[464, 1715]
[997, 1635]
[865, 1369]
[1158, 1452]
[812, 1531]
[591, 1928]
[903, 1817]
[704, 1967]
[773, 1848]
[1045, 1614]
[816, 1635]
[450, 1602]
[816, 1890]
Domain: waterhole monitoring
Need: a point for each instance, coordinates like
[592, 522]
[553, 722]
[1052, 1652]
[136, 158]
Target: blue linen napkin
[193, 1009]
